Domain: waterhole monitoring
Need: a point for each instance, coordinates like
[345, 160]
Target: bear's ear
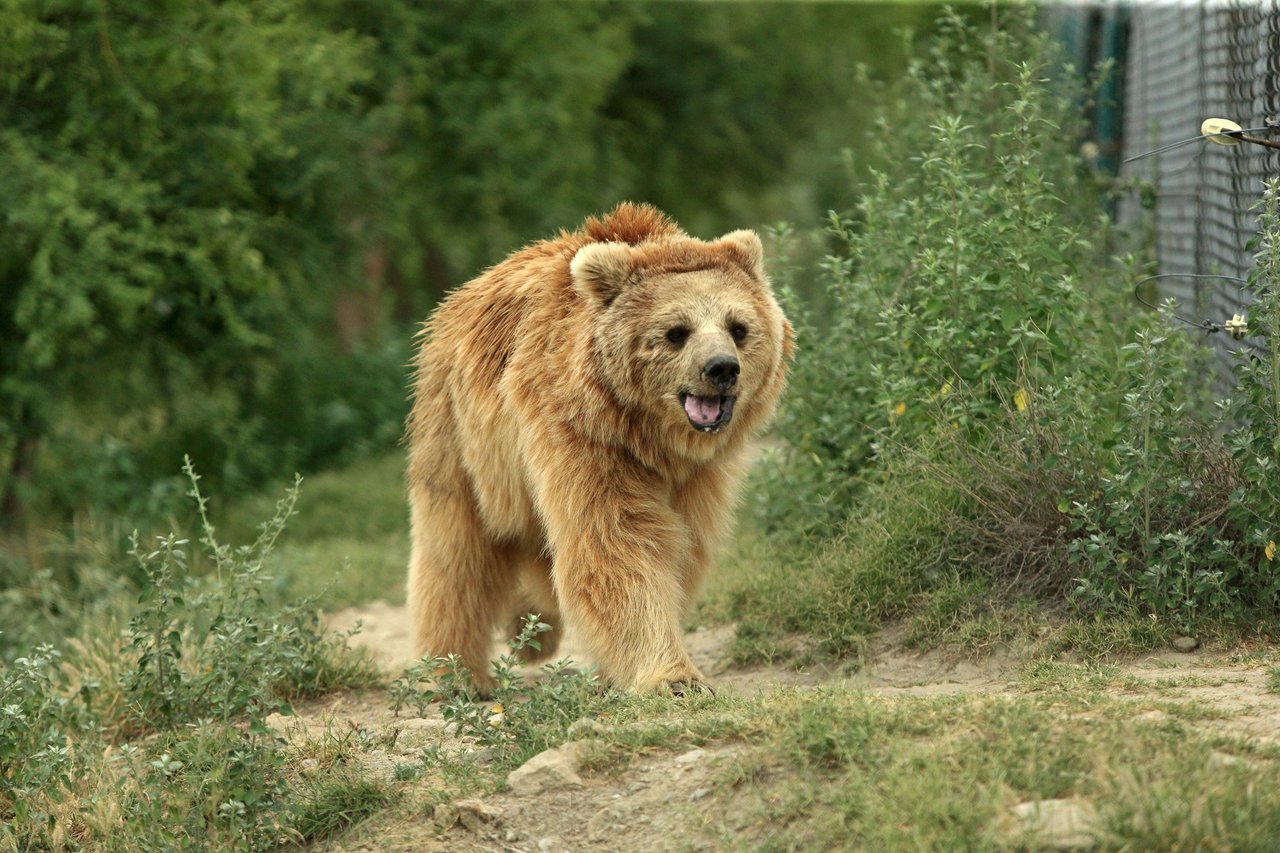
[601, 270]
[746, 249]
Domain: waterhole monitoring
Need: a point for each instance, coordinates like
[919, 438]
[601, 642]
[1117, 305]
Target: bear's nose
[722, 370]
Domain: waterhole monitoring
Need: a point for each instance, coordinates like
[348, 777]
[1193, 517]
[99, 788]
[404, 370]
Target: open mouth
[707, 414]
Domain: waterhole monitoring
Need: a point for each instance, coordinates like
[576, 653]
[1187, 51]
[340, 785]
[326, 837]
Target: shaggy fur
[557, 464]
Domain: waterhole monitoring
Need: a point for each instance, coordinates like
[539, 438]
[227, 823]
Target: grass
[944, 773]
[349, 543]
[848, 769]
[149, 730]
[899, 560]
[335, 802]
[812, 769]
[838, 591]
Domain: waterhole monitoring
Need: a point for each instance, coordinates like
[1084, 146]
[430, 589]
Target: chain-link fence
[1186, 63]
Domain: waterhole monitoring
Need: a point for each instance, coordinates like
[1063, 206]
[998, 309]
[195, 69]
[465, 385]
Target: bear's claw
[691, 687]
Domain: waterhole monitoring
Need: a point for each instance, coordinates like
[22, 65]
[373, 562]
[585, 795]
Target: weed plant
[520, 717]
[159, 740]
[1162, 508]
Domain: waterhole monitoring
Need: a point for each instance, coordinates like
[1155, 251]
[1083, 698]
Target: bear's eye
[677, 335]
[738, 331]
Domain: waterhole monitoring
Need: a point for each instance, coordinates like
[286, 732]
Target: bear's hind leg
[457, 592]
[537, 597]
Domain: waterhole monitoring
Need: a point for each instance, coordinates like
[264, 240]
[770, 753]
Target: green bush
[1048, 436]
[214, 216]
[963, 279]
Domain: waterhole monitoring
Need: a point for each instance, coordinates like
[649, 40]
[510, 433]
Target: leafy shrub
[264, 654]
[1255, 410]
[162, 743]
[981, 353]
[962, 279]
[37, 717]
[1161, 508]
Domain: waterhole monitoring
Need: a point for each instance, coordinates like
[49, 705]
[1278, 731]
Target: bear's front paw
[691, 687]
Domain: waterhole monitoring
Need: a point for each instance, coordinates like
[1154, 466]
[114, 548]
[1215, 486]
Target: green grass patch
[849, 770]
[333, 803]
[349, 543]
[894, 556]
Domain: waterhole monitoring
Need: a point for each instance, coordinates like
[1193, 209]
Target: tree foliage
[164, 176]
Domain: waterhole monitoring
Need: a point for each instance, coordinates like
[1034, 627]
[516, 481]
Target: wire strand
[1174, 145]
[1208, 326]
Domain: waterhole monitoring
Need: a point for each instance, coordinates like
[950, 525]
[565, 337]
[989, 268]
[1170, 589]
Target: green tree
[482, 128]
[733, 112]
[163, 196]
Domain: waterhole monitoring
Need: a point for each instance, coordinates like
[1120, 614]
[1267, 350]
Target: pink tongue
[703, 411]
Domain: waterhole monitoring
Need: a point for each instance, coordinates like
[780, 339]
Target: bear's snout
[722, 371]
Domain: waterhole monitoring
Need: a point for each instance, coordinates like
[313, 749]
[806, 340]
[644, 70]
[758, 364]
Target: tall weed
[160, 741]
[962, 279]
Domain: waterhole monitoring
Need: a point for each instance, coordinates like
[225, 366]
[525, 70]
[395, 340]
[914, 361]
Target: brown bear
[580, 416]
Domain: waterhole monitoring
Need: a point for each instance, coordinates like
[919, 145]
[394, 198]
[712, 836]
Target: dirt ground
[657, 801]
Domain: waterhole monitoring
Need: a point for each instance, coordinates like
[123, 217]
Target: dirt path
[384, 630]
[663, 800]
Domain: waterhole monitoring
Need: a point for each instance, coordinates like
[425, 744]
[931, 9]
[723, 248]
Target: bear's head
[687, 333]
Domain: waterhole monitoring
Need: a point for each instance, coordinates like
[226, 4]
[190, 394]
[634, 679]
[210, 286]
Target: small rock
[604, 823]
[445, 814]
[484, 756]
[511, 836]
[550, 844]
[279, 723]
[473, 813]
[309, 765]
[554, 768]
[1186, 645]
[690, 758]
[585, 727]
[699, 794]
[1059, 824]
[379, 765]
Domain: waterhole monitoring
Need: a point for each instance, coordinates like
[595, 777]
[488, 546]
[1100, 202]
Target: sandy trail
[384, 631]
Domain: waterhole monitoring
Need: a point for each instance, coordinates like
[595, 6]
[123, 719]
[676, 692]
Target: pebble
[688, 759]
[605, 823]
[472, 813]
[279, 723]
[585, 727]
